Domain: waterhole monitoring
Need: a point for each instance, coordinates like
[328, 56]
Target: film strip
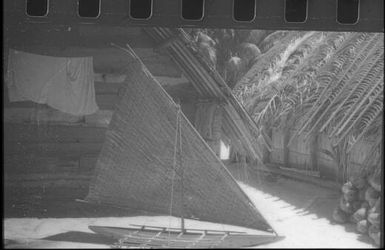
[328, 15]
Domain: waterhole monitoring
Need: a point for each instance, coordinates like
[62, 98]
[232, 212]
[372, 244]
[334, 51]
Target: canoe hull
[156, 237]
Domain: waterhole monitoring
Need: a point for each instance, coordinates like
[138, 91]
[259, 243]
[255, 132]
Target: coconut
[256, 36]
[365, 204]
[352, 219]
[203, 38]
[248, 51]
[234, 64]
[373, 229]
[339, 216]
[361, 194]
[358, 182]
[376, 237]
[377, 206]
[351, 195]
[346, 206]
[371, 196]
[374, 218]
[372, 193]
[375, 233]
[348, 187]
[360, 215]
[372, 202]
[356, 205]
[208, 52]
[234, 67]
[362, 226]
[375, 181]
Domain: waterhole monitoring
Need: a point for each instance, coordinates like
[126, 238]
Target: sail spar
[135, 166]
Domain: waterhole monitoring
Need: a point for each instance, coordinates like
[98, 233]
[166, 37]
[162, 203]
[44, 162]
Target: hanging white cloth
[66, 84]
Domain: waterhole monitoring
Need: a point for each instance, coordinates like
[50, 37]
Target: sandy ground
[299, 211]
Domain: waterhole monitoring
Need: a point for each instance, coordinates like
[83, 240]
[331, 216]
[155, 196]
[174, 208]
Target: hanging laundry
[66, 84]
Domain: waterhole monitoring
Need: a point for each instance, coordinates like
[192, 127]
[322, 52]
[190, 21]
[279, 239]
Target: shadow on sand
[305, 198]
[81, 237]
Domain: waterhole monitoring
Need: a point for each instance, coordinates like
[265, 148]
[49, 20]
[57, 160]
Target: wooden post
[314, 151]
[217, 130]
[208, 122]
[266, 153]
[286, 138]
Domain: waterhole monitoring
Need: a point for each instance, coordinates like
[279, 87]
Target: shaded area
[40, 243]
[8, 242]
[57, 203]
[81, 237]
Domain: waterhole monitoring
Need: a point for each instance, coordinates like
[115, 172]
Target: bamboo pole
[180, 63]
[174, 48]
[233, 133]
[252, 151]
[224, 88]
[195, 64]
[208, 81]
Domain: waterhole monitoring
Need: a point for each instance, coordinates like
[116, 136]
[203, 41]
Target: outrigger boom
[175, 228]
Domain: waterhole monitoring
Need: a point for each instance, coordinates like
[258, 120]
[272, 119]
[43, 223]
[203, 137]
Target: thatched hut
[319, 97]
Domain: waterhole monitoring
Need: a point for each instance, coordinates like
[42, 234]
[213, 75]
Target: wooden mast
[179, 128]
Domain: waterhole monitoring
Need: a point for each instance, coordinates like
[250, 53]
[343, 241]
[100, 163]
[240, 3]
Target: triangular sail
[134, 168]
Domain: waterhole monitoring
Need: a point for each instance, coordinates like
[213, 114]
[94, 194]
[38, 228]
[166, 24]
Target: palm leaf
[371, 98]
[345, 80]
[367, 121]
[357, 91]
[339, 61]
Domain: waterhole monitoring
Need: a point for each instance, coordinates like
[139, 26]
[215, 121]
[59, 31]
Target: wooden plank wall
[308, 155]
[42, 144]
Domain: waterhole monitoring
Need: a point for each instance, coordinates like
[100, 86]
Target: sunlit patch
[300, 227]
[225, 151]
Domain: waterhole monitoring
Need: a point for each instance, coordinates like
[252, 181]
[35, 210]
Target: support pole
[313, 151]
[208, 122]
[179, 129]
[286, 151]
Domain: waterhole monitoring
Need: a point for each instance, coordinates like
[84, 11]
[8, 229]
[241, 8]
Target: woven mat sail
[135, 166]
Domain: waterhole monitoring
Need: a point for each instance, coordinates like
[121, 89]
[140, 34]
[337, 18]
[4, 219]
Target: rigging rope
[177, 130]
[181, 168]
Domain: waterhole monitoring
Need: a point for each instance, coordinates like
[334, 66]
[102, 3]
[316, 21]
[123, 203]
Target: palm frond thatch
[328, 81]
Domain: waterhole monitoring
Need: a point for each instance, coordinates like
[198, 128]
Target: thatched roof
[327, 81]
